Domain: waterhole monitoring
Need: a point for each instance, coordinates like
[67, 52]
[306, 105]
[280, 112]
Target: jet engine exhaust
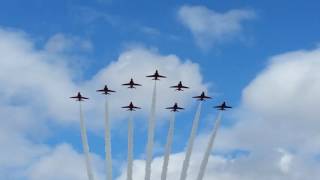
[108, 143]
[205, 159]
[168, 148]
[85, 144]
[130, 147]
[151, 133]
[186, 161]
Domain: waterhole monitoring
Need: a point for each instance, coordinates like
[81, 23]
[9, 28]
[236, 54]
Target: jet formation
[149, 150]
[156, 76]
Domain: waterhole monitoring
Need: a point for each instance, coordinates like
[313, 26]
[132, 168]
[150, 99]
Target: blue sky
[259, 56]
[124, 23]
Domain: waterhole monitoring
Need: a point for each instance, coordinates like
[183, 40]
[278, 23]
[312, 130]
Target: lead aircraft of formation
[156, 76]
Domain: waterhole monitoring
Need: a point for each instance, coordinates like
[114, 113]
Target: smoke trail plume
[168, 148]
[151, 133]
[130, 147]
[108, 143]
[209, 147]
[85, 144]
[186, 161]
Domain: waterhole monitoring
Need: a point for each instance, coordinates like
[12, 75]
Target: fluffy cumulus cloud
[280, 117]
[276, 127]
[42, 79]
[137, 63]
[288, 87]
[210, 27]
[216, 164]
[33, 78]
[276, 135]
[63, 163]
[276, 166]
[283, 99]
[35, 84]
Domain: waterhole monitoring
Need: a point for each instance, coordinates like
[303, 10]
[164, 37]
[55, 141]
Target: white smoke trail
[186, 161]
[85, 144]
[108, 143]
[151, 133]
[130, 147]
[168, 148]
[205, 159]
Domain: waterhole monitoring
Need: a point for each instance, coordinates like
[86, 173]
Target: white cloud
[277, 124]
[285, 97]
[60, 43]
[216, 164]
[63, 163]
[33, 78]
[41, 79]
[210, 27]
[287, 87]
[285, 161]
[137, 63]
[35, 85]
[249, 168]
[279, 111]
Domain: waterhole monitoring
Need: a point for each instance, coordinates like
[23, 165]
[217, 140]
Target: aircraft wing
[126, 84]
[228, 107]
[136, 84]
[219, 107]
[84, 98]
[151, 76]
[162, 76]
[170, 108]
[136, 107]
[125, 107]
[180, 108]
[184, 87]
[196, 97]
[111, 91]
[174, 86]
